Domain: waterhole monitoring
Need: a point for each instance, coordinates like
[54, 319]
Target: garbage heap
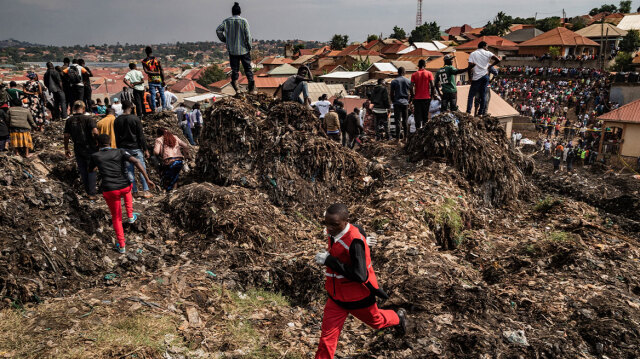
[479, 149]
[283, 152]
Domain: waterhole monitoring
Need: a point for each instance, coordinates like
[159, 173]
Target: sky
[71, 22]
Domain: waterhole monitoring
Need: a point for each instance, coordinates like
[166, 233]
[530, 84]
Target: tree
[578, 23]
[372, 38]
[623, 62]
[426, 32]
[339, 42]
[549, 23]
[625, 6]
[297, 48]
[361, 64]
[212, 74]
[398, 33]
[499, 26]
[630, 42]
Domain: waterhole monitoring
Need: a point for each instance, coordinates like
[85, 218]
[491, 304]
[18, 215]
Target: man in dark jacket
[381, 107]
[129, 136]
[82, 130]
[342, 116]
[353, 127]
[53, 82]
[86, 82]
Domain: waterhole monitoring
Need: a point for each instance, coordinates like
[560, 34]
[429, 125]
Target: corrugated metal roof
[382, 66]
[431, 46]
[497, 106]
[629, 113]
[523, 34]
[630, 22]
[559, 36]
[285, 69]
[344, 74]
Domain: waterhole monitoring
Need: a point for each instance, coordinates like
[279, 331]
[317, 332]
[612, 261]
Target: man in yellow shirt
[105, 126]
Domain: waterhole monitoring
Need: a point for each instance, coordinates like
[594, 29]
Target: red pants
[114, 201]
[333, 320]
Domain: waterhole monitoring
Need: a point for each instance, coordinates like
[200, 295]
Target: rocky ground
[491, 253]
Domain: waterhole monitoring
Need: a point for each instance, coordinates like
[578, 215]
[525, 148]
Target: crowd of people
[564, 72]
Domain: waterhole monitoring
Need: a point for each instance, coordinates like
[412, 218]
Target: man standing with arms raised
[234, 31]
[479, 62]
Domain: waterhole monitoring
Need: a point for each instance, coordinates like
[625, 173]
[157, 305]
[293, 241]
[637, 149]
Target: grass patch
[379, 223]
[546, 204]
[46, 332]
[447, 223]
[552, 243]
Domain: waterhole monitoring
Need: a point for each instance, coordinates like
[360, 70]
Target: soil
[484, 267]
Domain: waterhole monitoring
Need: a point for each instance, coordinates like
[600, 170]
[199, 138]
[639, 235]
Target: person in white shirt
[117, 106]
[479, 62]
[170, 99]
[322, 105]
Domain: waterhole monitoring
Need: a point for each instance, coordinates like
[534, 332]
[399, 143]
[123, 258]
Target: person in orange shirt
[105, 126]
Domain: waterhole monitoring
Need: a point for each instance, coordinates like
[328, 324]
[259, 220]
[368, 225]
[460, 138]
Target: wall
[507, 124]
[623, 93]
[631, 145]
[523, 123]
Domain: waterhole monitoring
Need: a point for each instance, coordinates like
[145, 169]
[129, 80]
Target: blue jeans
[478, 87]
[186, 131]
[170, 174]
[301, 88]
[152, 89]
[137, 154]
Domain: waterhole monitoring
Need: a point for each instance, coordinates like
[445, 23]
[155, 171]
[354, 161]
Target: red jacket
[339, 287]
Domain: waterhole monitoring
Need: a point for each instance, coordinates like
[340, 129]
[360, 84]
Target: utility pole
[419, 14]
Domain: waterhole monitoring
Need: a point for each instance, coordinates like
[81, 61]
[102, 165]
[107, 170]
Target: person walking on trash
[350, 282]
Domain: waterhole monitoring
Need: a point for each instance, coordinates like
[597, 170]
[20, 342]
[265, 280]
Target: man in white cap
[117, 106]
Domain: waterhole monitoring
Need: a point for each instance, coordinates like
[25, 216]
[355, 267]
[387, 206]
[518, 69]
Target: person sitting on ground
[350, 282]
[20, 122]
[115, 184]
[168, 148]
[82, 130]
[296, 85]
[105, 126]
[331, 124]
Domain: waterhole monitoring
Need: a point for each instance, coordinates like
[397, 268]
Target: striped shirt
[234, 31]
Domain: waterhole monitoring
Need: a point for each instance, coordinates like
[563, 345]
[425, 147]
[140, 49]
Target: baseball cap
[449, 57]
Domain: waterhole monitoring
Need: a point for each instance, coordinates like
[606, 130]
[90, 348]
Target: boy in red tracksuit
[350, 282]
[115, 183]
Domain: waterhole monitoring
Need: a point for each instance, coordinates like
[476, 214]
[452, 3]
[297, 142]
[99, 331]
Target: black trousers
[235, 61]
[138, 101]
[421, 111]
[449, 101]
[59, 105]
[77, 94]
[382, 126]
[401, 114]
[87, 97]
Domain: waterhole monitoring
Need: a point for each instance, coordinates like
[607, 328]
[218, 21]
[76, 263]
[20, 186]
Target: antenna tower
[419, 14]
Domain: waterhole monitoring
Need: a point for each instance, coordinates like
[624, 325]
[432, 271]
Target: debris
[516, 337]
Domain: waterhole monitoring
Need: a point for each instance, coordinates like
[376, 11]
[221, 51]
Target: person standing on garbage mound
[350, 282]
[115, 183]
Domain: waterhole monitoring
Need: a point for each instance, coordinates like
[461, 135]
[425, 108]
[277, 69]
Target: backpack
[75, 76]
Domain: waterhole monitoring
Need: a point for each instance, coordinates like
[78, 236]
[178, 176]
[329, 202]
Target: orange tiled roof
[627, 113]
[493, 41]
[265, 82]
[559, 36]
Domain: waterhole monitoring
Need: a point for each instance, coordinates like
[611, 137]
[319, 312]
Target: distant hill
[16, 43]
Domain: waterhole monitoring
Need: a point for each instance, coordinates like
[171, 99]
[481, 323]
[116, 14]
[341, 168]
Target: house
[303, 60]
[268, 85]
[349, 61]
[567, 41]
[272, 62]
[392, 51]
[187, 86]
[623, 138]
[498, 108]
[317, 89]
[458, 30]
[284, 70]
[603, 34]
[460, 61]
[434, 45]
[630, 22]
[523, 34]
[327, 69]
[223, 86]
[495, 44]
[349, 79]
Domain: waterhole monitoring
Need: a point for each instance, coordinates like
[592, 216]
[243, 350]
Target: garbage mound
[281, 152]
[478, 148]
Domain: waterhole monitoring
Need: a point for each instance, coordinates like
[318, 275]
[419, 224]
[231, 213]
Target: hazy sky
[70, 22]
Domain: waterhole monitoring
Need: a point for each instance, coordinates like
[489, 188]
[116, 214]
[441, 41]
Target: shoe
[402, 327]
[234, 85]
[146, 194]
[252, 87]
[133, 219]
[135, 195]
[121, 250]
[92, 197]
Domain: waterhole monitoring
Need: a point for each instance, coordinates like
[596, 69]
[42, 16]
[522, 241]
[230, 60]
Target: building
[285, 70]
[523, 34]
[623, 138]
[435, 46]
[630, 22]
[495, 44]
[349, 79]
[268, 85]
[317, 89]
[460, 61]
[566, 41]
[498, 108]
[604, 34]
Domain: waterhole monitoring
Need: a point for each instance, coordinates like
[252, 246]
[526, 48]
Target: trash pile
[478, 148]
[281, 152]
